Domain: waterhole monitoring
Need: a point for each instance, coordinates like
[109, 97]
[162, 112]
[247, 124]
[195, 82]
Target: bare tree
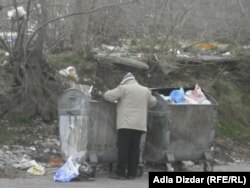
[33, 76]
[77, 27]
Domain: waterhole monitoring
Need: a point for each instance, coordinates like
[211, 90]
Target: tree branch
[73, 14]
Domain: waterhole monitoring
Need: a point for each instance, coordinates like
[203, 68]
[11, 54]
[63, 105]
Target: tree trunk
[77, 27]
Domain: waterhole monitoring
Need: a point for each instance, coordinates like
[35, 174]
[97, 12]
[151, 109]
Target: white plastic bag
[68, 171]
[198, 95]
[37, 170]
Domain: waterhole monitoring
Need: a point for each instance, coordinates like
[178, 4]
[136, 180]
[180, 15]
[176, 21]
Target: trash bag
[68, 171]
[198, 95]
[177, 95]
[70, 73]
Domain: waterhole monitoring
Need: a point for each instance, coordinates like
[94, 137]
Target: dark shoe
[131, 177]
[117, 177]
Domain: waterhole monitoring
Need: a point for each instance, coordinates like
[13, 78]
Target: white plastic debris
[68, 171]
[90, 89]
[32, 148]
[70, 73]
[37, 170]
[109, 48]
[9, 37]
[226, 54]
[25, 164]
[17, 13]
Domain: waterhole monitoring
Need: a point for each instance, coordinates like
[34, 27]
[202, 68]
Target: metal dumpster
[102, 135]
[88, 127]
[180, 132]
[73, 110]
[102, 132]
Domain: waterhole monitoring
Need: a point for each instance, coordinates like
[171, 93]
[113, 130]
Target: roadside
[39, 142]
[102, 179]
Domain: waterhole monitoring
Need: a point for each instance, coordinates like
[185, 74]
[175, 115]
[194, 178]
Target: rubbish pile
[31, 166]
[20, 160]
[27, 154]
[204, 52]
[179, 96]
[208, 48]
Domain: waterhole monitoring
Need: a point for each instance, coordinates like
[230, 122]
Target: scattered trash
[37, 170]
[109, 48]
[70, 73]
[207, 48]
[166, 98]
[55, 162]
[4, 59]
[226, 53]
[17, 13]
[25, 163]
[32, 148]
[86, 172]
[68, 171]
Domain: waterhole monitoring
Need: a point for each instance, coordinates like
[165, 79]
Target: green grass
[234, 130]
[65, 59]
[234, 110]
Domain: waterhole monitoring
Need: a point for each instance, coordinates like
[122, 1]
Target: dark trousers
[128, 142]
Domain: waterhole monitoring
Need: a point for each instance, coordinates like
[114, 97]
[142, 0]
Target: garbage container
[73, 110]
[88, 126]
[180, 132]
[102, 132]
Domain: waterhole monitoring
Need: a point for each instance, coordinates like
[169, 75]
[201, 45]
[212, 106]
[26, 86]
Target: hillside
[227, 81]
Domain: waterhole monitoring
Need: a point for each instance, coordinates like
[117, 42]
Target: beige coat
[132, 107]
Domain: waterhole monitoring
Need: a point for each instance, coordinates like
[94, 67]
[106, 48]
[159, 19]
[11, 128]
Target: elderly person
[133, 101]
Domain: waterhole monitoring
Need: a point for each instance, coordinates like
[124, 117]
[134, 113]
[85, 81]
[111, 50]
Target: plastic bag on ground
[37, 170]
[68, 171]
